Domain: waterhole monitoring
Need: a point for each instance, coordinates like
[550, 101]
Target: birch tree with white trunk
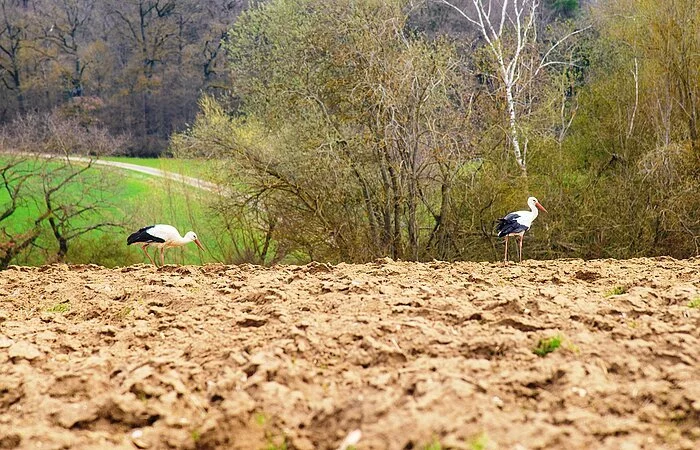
[494, 21]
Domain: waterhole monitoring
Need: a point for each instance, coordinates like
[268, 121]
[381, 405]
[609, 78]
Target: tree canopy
[361, 129]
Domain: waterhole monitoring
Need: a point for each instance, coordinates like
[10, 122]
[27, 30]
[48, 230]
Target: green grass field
[135, 200]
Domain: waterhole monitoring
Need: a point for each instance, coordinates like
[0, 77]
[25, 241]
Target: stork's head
[192, 237]
[532, 202]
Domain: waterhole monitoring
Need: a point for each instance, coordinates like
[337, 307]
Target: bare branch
[544, 63]
[461, 12]
[635, 76]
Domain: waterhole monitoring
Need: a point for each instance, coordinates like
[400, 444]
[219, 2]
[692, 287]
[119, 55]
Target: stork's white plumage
[517, 223]
[161, 236]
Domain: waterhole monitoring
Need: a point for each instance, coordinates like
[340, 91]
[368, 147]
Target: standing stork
[517, 223]
[161, 236]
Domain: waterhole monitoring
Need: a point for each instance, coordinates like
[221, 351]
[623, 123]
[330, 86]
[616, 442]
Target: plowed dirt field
[386, 355]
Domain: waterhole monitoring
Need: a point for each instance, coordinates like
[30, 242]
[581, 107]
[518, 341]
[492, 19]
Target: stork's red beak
[199, 244]
[539, 206]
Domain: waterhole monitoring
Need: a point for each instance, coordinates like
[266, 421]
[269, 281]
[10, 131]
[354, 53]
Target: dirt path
[196, 182]
[191, 181]
[397, 354]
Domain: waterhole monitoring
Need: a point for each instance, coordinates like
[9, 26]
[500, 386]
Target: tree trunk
[514, 135]
[61, 239]
[387, 240]
[18, 85]
[16, 248]
[62, 249]
[693, 128]
[396, 208]
[412, 219]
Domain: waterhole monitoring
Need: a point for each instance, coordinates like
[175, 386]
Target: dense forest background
[136, 66]
[350, 130]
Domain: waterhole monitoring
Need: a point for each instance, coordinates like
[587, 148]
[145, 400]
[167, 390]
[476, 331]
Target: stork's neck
[534, 211]
[189, 237]
[183, 240]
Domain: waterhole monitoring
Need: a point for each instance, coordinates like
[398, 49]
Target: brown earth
[412, 355]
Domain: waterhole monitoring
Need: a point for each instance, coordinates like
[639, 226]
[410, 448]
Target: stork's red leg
[505, 256]
[162, 258]
[143, 247]
[520, 248]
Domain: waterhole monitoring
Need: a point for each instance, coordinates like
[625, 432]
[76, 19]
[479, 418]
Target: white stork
[161, 236]
[517, 223]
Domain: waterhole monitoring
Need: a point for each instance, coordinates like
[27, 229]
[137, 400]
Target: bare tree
[14, 175]
[68, 197]
[140, 64]
[71, 216]
[355, 139]
[65, 25]
[217, 16]
[510, 32]
[149, 26]
[14, 22]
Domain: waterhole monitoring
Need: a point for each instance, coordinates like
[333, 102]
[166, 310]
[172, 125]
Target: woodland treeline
[135, 66]
[348, 130]
[395, 128]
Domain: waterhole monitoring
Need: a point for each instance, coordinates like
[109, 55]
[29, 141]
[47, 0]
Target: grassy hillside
[133, 200]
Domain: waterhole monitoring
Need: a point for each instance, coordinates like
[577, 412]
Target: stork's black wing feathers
[143, 236]
[509, 225]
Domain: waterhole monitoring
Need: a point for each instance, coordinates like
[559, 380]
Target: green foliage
[565, 7]
[274, 441]
[433, 445]
[694, 303]
[357, 137]
[617, 290]
[354, 144]
[276, 446]
[260, 418]
[61, 308]
[632, 139]
[548, 345]
[124, 313]
[479, 442]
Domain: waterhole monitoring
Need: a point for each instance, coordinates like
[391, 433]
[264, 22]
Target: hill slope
[245, 357]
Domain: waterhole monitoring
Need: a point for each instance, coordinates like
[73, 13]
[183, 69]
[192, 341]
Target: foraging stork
[517, 223]
[161, 236]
